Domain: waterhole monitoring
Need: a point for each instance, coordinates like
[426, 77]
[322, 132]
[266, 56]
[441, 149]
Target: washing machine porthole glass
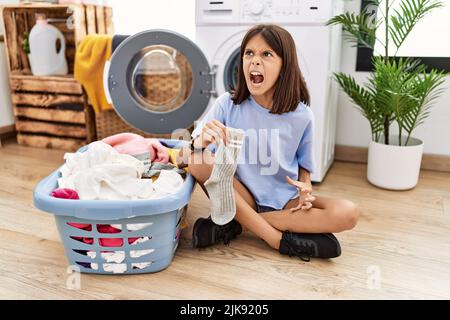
[231, 71]
[160, 78]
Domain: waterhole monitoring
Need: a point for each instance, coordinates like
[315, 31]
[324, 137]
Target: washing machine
[221, 26]
[159, 81]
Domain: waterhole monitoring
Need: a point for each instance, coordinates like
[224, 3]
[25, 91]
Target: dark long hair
[291, 87]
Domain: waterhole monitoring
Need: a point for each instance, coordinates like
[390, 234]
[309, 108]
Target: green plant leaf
[26, 43]
[404, 20]
[399, 90]
[364, 101]
[358, 29]
[425, 88]
[403, 91]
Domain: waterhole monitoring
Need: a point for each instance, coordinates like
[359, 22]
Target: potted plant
[400, 90]
[26, 45]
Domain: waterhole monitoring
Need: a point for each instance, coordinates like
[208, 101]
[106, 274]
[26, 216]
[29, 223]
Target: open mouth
[256, 77]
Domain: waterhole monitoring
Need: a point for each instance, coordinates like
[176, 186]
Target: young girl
[279, 207]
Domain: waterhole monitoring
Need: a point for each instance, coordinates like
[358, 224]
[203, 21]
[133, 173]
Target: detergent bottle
[44, 58]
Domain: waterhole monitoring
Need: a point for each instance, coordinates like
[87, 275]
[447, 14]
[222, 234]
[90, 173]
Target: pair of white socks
[220, 183]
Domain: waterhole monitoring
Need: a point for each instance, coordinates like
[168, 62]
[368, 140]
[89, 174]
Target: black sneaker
[310, 245]
[206, 232]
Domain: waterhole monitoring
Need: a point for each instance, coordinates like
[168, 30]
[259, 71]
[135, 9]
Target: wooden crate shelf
[42, 141]
[75, 21]
[47, 118]
[51, 111]
[57, 84]
[56, 115]
[57, 129]
[44, 100]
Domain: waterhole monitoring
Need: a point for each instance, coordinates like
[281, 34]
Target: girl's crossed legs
[328, 215]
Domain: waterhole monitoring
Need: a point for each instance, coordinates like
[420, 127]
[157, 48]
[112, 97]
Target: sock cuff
[235, 134]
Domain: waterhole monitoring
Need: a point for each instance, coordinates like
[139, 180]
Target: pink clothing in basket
[132, 144]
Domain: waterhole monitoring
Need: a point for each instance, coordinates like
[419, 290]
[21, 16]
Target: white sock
[220, 183]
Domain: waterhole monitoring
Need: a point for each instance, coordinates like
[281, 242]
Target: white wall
[133, 16]
[353, 128]
[423, 39]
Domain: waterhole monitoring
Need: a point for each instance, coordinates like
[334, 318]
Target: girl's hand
[213, 132]
[305, 198]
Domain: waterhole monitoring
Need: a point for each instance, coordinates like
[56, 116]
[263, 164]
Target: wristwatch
[195, 149]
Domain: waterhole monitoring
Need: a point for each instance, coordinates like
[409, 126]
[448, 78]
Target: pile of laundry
[124, 166]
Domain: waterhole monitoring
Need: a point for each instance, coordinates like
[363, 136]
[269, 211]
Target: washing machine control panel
[257, 8]
[250, 12]
[286, 11]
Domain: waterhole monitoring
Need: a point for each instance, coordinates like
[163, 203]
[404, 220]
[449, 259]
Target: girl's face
[261, 66]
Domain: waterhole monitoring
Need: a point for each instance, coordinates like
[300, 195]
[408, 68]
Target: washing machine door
[158, 81]
[230, 71]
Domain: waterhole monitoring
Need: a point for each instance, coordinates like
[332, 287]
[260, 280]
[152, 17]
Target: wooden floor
[400, 248]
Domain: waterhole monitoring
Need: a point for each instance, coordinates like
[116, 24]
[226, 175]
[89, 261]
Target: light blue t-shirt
[275, 146]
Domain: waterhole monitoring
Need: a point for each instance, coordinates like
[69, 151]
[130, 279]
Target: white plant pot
[392, 166]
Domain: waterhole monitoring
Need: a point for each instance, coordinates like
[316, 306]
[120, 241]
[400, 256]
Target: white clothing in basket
[101, 173]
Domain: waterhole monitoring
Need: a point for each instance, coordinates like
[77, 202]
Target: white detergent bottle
[44, 58]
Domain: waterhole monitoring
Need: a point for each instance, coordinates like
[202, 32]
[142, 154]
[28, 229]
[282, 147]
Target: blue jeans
[260, 209]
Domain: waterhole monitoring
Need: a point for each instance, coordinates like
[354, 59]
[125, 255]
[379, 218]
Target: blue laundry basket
[161, 217]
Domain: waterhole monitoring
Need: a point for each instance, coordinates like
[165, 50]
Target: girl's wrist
[304, 176]
[198, 144]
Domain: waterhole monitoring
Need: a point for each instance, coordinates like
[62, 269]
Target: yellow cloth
[184, 223]
[173, 156]
[173, 153]
[90, 57]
